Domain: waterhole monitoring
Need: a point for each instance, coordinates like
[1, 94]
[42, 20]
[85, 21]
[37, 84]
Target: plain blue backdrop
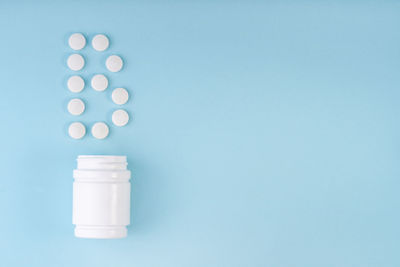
[261, 133]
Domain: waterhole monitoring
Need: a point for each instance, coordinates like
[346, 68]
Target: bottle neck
[101, 162]
[100, 169]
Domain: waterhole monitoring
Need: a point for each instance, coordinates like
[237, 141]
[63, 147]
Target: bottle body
[101, 197]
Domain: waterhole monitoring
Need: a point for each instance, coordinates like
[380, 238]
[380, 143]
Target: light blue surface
[263, 134]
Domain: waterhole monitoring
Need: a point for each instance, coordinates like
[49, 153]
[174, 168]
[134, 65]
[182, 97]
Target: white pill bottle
[101, 197]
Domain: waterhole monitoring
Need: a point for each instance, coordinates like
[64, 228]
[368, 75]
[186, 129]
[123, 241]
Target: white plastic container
[101, 197]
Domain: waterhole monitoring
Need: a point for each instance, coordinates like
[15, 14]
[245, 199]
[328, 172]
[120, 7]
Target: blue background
[262, 133]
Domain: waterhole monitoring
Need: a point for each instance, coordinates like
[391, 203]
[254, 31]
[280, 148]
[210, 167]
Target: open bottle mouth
[102, 162]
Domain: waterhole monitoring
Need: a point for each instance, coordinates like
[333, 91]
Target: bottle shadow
[148, 189]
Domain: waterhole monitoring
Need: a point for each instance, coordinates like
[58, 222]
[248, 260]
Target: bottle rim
[101, 162]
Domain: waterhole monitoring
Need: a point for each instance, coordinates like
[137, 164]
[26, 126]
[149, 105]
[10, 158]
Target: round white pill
[120, 117]
[75, 84]
[76, 130]
[75, 62]
[99, 82]
[77, 41]
[100, 42]
[76, 106]
[120, 96]
[100, 130]
[114, 63]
